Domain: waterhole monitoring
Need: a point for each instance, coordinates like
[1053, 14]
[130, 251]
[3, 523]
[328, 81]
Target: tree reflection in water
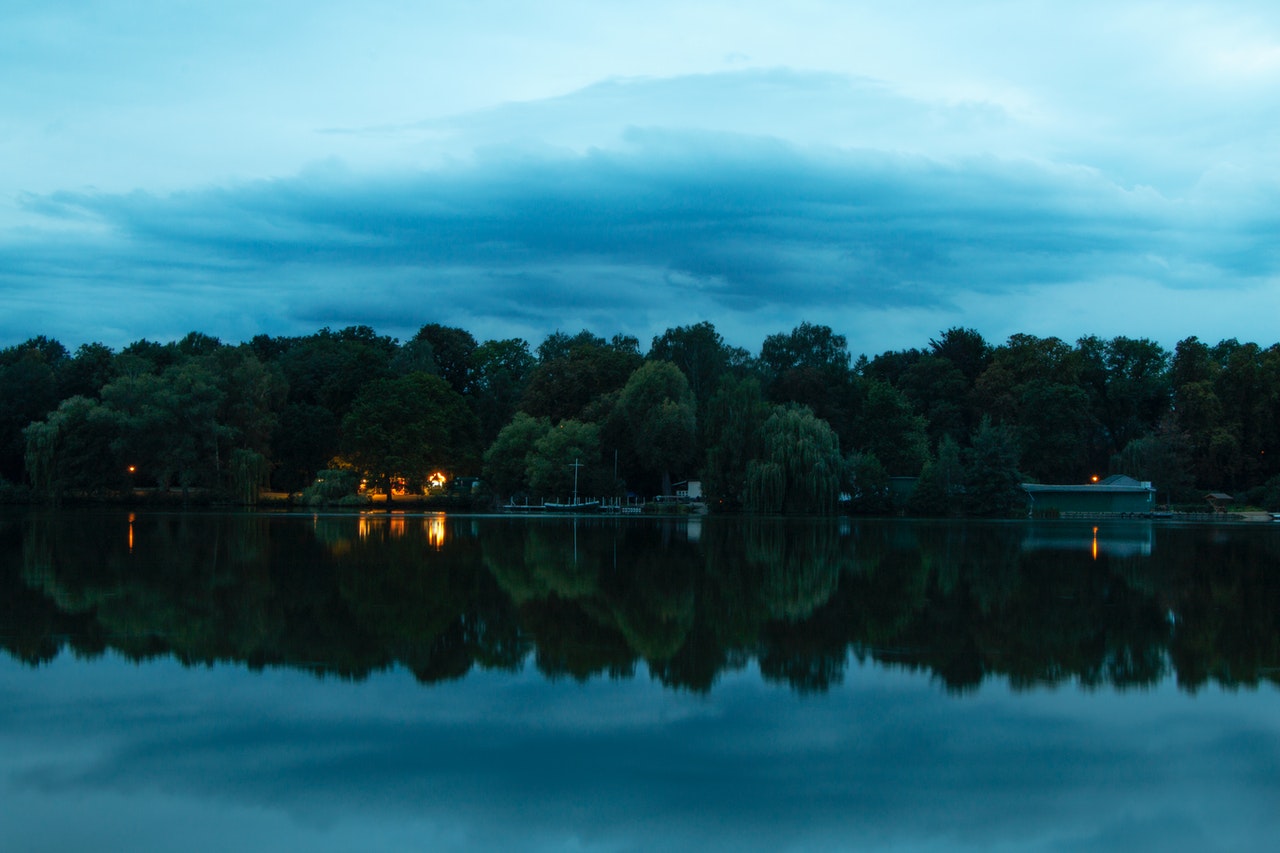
[1127, 604]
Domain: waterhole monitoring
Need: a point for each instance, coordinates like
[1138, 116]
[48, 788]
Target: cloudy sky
[890, 169]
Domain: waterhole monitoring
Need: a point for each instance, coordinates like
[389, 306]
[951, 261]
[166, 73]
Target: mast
[576, 465]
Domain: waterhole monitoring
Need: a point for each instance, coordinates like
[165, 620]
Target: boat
[575, 506]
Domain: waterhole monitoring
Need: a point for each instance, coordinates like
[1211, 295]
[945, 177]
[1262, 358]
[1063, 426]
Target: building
[688, 490]
[1117, 495]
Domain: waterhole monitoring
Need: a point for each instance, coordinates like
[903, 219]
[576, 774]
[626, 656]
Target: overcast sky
[890, 169]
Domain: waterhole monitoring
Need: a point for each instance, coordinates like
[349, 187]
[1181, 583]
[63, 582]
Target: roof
[1091, 488]
[1119, 480]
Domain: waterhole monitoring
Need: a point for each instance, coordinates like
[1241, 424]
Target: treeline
[797, 427]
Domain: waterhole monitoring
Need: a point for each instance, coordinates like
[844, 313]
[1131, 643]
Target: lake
[408, 681]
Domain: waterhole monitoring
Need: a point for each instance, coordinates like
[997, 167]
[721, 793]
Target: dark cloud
[728, 223]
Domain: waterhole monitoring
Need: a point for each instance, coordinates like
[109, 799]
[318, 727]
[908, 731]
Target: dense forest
[800, 427]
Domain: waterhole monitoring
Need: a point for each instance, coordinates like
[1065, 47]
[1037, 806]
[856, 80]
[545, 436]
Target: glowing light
[435, 531]
[1095, 541]
[1094, 478]
[133, 468]
[437, 480]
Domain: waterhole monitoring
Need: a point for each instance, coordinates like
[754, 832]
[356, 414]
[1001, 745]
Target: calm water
[418, 682]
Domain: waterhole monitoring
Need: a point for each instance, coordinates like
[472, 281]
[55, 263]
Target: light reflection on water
[494, 684]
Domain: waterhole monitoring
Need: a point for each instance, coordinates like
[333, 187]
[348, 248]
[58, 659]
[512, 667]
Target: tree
[700, 353]
[732, 436]
[964, 348]
[807, 345]
[573, 373]
[1163, 458]
[800, 468]
[867, 483]
[92, 367]
[1054, 430]
[551, 469]
[658, 410]
[940, 489]
[1127, 381]
[452, 350]
[891, 430]
[72, 449]
[408, 427]
[992, 475]
[500, 370]
[331, 369]
[306, 437]
[506, 462]
[29, 391]
[810, 367]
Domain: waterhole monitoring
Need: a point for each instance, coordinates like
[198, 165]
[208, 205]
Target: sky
[889, 169]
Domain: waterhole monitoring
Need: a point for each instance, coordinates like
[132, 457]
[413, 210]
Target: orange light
[435, 531]
[1095, 478]
[133, 468]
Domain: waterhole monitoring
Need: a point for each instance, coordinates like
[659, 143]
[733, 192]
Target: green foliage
[799, 470]
[332, 486]
[551, 464]
[867, 483]
[74, 449]
[658, 412]
[940, 489]
[500, 370]
[992, 477]
[180, 411]
[700, 353]
[964, 348]
[29, 391]
[452, 351]
[572, 373]
[250, 471]
[1163, 459]
[408, 427]
[892, 431]
[506, 462]
[732, 436]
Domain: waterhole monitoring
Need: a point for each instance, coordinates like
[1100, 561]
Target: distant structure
[1116, 495]
[688, 490]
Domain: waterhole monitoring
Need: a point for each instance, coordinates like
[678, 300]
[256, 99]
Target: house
[688, 490]
[1116, 495]
[1219, 501]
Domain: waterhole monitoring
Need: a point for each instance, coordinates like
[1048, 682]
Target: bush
[335, 485]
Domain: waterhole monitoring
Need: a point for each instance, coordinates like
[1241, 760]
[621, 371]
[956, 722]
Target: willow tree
[799, 468]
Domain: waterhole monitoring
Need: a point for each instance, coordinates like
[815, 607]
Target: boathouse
[1116, 495]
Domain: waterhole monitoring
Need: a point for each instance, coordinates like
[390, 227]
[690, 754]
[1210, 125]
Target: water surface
[401, 682]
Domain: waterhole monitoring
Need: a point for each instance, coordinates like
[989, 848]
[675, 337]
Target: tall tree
[700, 353]
[992, 475]
[800, 468]
[500, 371]
[572, 373]
[507, 461]
[658, 410]
[732, 436]
[408, 427]
[452, 349]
